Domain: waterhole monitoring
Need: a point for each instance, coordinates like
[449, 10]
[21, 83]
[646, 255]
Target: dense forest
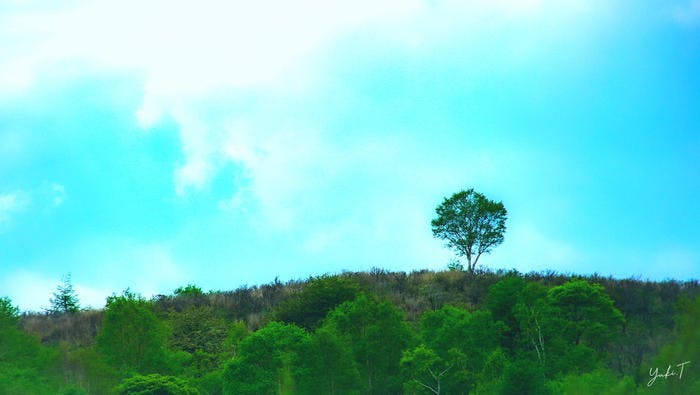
[376, 332]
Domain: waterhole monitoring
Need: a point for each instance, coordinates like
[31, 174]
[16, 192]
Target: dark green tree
[569, 327]
[65, 300]
[330, 367]
[155, 384]
[319, 296]
[9, 313]
[588, 313]
[501, 301]
[377, 333]
[524, 377]
[199, 331]
[462, 341]
[189, 290]
[198, 328]
[285, 359]
[682, 353]
[470, 224]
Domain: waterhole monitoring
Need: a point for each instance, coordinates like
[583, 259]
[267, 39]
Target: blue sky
[150, 144]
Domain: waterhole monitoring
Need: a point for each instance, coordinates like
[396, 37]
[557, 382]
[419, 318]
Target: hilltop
[536, 332]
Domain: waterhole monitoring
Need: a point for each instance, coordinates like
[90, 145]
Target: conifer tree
[64, 300]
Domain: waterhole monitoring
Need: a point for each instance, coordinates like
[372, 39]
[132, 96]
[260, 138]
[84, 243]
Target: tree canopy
[382, 332]
[470, 224]
[132, 339]
[155, 384]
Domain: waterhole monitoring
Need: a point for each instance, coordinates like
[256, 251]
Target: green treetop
[65, 300]
[471, 224]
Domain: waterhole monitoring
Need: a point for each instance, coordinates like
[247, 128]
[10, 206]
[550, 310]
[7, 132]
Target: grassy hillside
[369, 332]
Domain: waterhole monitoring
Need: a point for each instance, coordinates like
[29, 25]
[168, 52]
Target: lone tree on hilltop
[64, 300]
[471, 224]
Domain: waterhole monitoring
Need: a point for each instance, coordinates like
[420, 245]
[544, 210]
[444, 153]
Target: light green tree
[25, 365]
[267, 361]
[133, 339]
[423, 369]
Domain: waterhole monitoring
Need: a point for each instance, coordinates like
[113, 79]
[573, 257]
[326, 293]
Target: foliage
[86, 368]
[522, 376]
[133, 339]
[491, 380]
[189, 290]
[599, 381]
[155, 384]
[455, 264]
[319, 296]
[587, 312]
[423, 369]
[198, 329]
[480, 332]
[684, 348]
[501, 302]
[471, 224]
[267, 361]
[73, 390]
[26, 367]
[9, 314]
[210, 383]
[65, 300]
[461, 341]
[377, 334]
[330, 367]
[568, 327]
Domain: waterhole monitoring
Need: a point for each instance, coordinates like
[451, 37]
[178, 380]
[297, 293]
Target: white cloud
[284, 169]
[58, 194]
[11, 204]
[189, 55]
[199, 149]
[281, 160]
[181, 47]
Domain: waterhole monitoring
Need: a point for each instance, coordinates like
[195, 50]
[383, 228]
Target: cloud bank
[188, 55]
[327, 130]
